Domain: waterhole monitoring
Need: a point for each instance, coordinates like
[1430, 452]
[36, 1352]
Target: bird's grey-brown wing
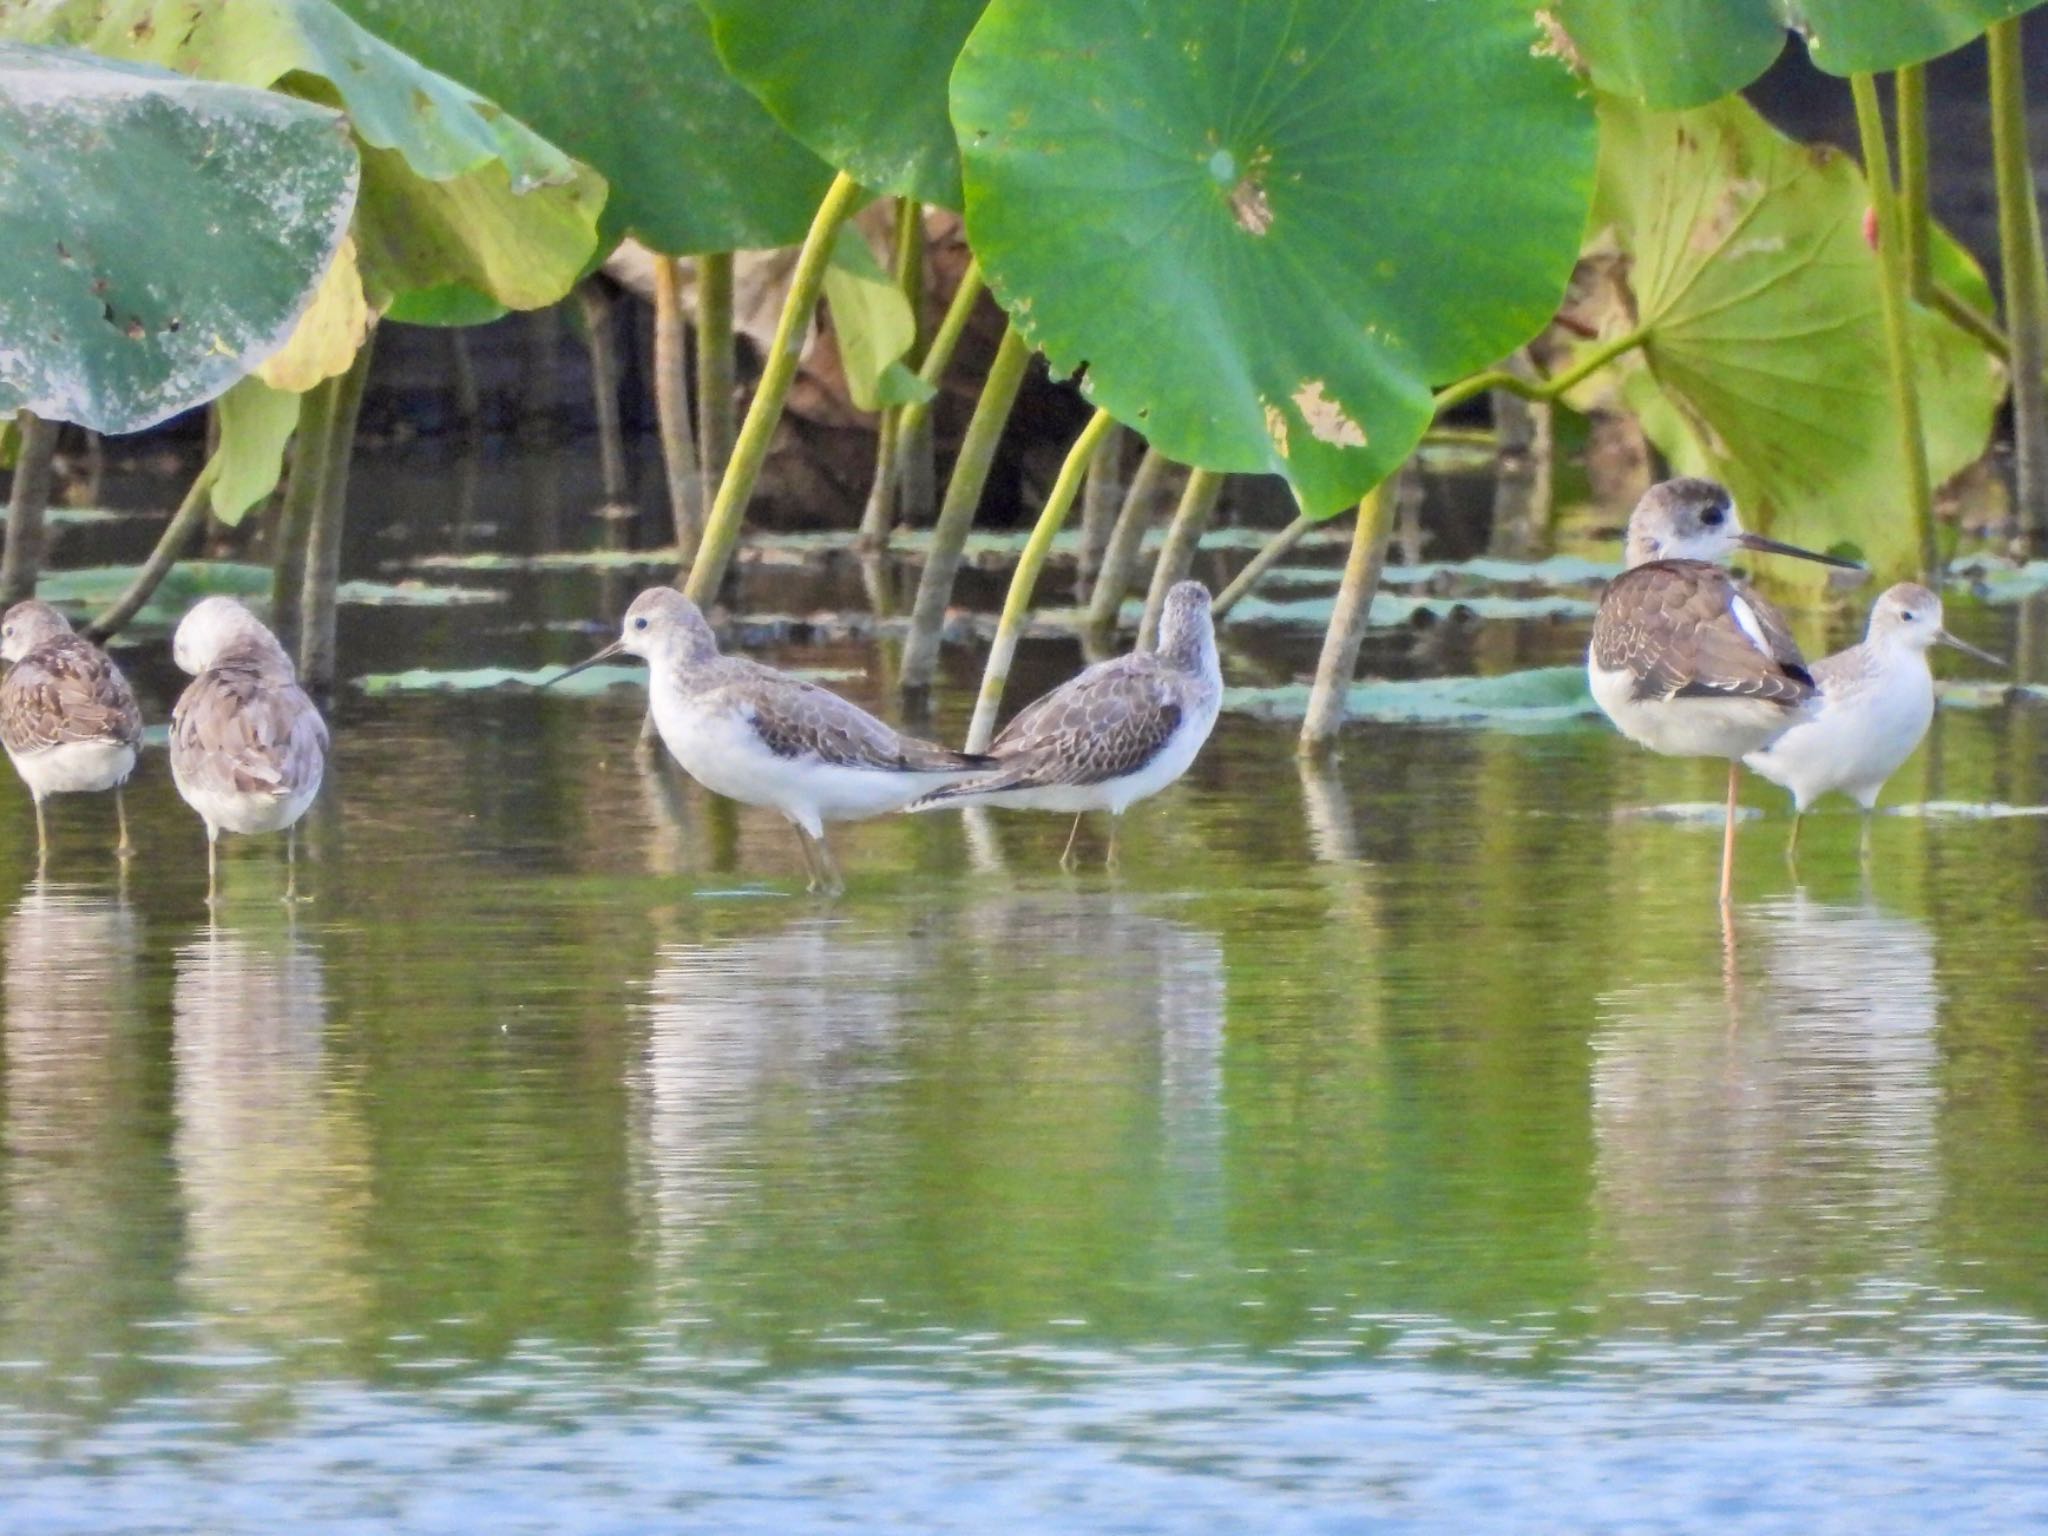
[795, 718]
[1108, 722]
[238, 730]
[69, 691]
[1685, 629]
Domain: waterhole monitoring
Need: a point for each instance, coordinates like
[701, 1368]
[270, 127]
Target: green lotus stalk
[170, 545]
[2026, 274]
[1100, 498]
[956, 513]
[27, 501]
[1553, 388]
[939, 355]
[1270, 554]
[1177, 554]
[1877, 170]
[1909, 106]
[295, 513]
[1126, 539]
[750, 448]
[604, 389]
[715, 352]
[672, 409]
[879, 516]
[1024, 580]
[1339, 660]
[323, 548]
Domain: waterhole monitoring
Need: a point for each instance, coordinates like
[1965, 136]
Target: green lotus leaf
[695, 163]
[1740, 256]
[1260, 232]
[864, 85]
[123, 304]
[453, 188]
[256, 422]
[872, 321]
[1685, 53]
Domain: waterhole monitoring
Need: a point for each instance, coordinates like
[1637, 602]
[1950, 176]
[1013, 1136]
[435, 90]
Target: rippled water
[1402, 1146]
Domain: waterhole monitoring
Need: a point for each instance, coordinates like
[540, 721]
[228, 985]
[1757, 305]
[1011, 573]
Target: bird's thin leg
[1067, 855]
[291, 865]
[42, 837]
[1728, 839]
[1109, 860]
[834, 884]
[1792, 842]
[1863, 845]
[125, 849]
[212, 866]
[803, 841]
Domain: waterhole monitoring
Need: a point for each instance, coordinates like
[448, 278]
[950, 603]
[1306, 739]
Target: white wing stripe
[1745, 616]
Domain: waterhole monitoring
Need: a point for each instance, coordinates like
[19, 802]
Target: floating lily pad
[1953, 693]
[1389, 608]
[1966, 810]
[93, 587]
[1999, 581]
[1688, 813]
[1268, 230]
[595, 680]
[1539, 699]
[1556, 571]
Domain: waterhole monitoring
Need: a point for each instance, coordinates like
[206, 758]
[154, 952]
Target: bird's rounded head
[28, 625]
[213, 627]
[664, 622]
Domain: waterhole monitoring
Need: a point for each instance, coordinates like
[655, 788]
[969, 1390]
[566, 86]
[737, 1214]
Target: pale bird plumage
[1120, 732]
[248, 747]
[759, 736]
[68, 719]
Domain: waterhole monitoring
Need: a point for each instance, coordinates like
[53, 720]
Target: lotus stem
[1552, 388]
[295, 513]
[1024, 580]
[1909, 106]
[715, 353]
[1177, 554]
[956, 513]
[939, 355]
[672, 409]
[170, 545]
[1339, 661]
[879, 516]
[1126, 539]
[1877, 170]
[1270, 554]
[1970, 318]
[27, 500]
[764, 411]
[317, 647]
[1100, 499]
[604, 388]
[469, 399]
[2026, 276]
[916, 475]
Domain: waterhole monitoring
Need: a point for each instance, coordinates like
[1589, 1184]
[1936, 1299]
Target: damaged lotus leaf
[1739, 254]
[863, 85]
[121, 306]
[1681, 53]
[1263, 241]
[453, 189]
[873, 324]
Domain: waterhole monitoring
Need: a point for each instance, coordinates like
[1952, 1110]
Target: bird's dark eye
[641, 622]
[1714, 517]
[1909, 615]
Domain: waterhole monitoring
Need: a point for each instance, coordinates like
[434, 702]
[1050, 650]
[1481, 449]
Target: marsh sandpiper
[1876, 702]
[1684, 659]
[248, 749]
[1121, 731]
[762, 737]
[68, 718]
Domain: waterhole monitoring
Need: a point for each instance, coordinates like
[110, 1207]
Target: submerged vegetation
[1280, 238]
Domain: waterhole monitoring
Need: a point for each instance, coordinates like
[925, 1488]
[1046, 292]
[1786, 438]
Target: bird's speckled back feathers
[1672, 625]
[67, 690]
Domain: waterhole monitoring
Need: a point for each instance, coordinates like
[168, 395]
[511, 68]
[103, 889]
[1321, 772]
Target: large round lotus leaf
[695, 162]
[1744, 263]
[863, 84]
[1266, 230]
[1686, 53]
[454, 189]
[159, 236]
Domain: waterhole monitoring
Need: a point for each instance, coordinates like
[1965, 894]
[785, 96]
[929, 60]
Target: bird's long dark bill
[1764, 546]
[616, 648]
[1970, 650]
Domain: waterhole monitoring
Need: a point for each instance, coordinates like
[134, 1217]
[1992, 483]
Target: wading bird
[68, 718]
[761, 737]
[1684, 659]
[1876, 701]
[248, 748]
[1121, 731]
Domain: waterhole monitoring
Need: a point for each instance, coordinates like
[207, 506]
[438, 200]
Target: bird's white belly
[722, 751]
[1119, 794]
[1692, 727]
[1852, 744]
[228, 810]
[75, 767]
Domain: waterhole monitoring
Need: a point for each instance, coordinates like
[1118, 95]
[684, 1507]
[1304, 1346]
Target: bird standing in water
[1684, 659]
[68, 718]
[1121, 731]
[761, 737]
[248, 748]
[1876, 702]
